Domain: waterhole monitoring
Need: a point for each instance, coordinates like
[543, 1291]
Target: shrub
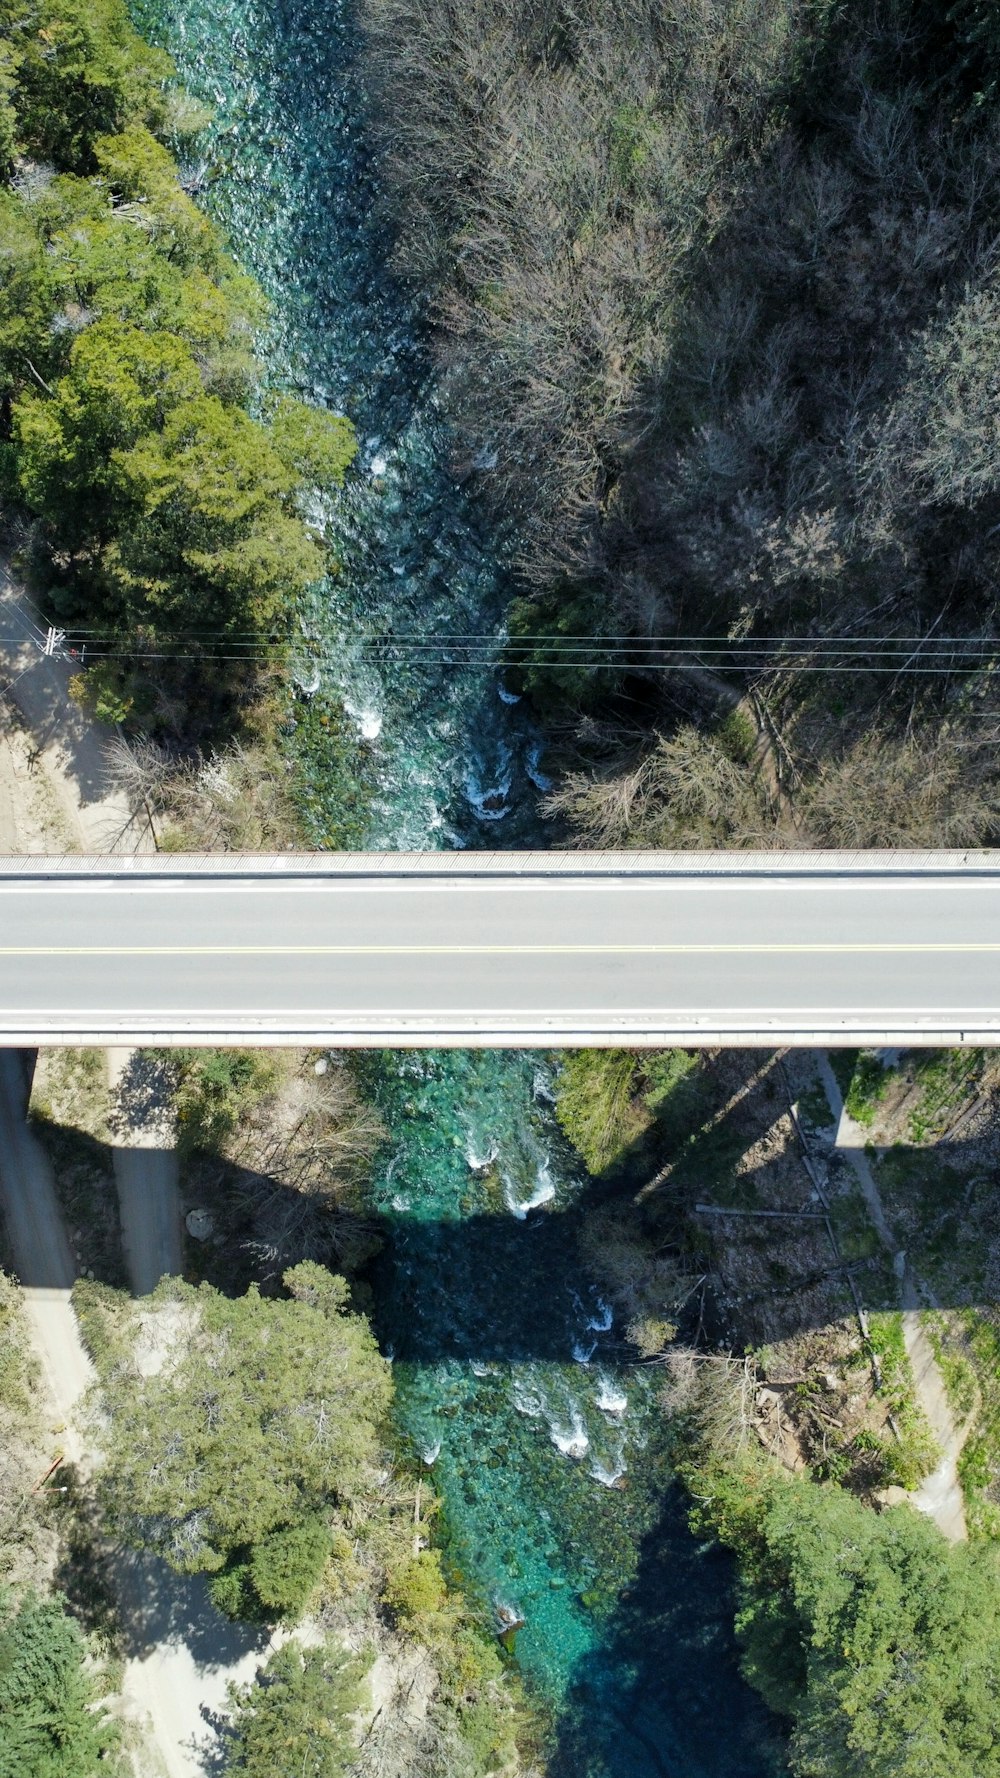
[286, 1566]
[216, 1088]
[418, 1589]
[596, 1103]
[49, 1727]
[264, 1419]
[294, 1719]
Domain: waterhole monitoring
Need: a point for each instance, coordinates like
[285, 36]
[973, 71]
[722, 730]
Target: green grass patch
[868, 1087]
[956, 1367]
[842, 1062]
[608, 1101]
[914, 1453]
[968, 1346]
[946, 1078]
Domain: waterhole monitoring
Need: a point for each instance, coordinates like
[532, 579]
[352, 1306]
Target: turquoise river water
[546, 1452]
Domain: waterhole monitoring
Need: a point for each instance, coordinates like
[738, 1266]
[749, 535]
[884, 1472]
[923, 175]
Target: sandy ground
[939, 1494]
[32, 818]
[181, 1659]
[66, 750]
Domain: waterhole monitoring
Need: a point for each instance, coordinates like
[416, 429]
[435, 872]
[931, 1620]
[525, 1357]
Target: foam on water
[571, 1440]
[603, 1317]
[611, 1398]
[369, 721]
[478, 1162]
[543, 1193]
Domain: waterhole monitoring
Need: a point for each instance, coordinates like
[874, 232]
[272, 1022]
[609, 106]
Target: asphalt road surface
[785, 953]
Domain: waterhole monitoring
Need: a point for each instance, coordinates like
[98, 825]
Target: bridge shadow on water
[661, 1696]
[658, 1694]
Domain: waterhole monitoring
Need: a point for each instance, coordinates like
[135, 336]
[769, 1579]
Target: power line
[909, 670]
[725, 644]
[909, 656]
[633, 645]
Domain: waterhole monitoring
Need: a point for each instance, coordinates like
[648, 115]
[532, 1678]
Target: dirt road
[181, 1654]
[939, 1494]
[41, 1251]
[146, 1169]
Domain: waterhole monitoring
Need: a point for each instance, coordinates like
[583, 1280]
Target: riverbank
[516, 1373]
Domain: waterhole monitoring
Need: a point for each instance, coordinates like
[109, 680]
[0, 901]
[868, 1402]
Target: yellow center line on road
[515, 950]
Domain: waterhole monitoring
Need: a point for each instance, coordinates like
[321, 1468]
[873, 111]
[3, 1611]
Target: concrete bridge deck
[502, 949]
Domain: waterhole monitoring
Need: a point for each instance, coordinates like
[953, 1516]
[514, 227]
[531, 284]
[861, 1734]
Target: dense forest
[715, 288]
[163, 489]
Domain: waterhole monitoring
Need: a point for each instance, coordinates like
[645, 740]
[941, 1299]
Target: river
[549, 1457]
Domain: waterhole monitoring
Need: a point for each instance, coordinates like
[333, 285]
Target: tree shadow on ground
[142, 1098]
[160, 1607]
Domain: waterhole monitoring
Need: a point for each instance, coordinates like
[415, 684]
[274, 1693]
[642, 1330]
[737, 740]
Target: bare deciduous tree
[686, 792]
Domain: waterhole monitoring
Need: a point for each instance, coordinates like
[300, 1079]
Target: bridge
[502, 949]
